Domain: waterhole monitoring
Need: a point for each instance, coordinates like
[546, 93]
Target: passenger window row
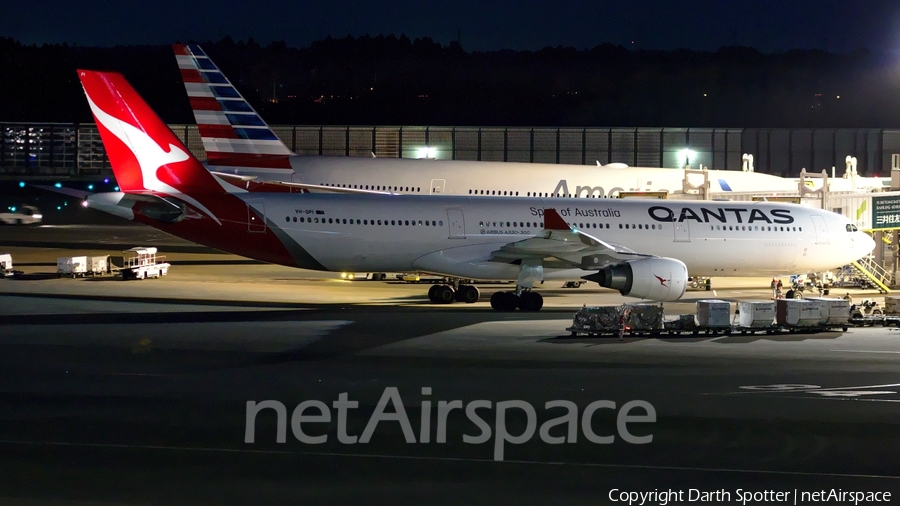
[354, 221]
[514, 224]
[386, 188]
[641, 226]
[510, 193]
[494, 192]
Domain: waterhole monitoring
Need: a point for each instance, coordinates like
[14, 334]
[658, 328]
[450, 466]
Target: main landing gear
[445, 294]
[525, 300]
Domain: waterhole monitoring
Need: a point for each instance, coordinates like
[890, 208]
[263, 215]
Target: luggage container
[72, 266]
[6, 266]
[683, 323]
[796, 313]
[643, 317]
[713, 313]
[597, 320]
[756, 314]
[99, 265]
[832, 311]
[892, 304]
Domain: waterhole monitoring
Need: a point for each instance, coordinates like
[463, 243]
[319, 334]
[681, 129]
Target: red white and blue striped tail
[233, 133]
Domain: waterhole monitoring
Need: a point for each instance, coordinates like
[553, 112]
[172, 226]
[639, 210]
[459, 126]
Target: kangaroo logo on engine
[720, 215]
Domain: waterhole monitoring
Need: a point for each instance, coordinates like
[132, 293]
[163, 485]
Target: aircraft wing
[252, 183]
[561, 246]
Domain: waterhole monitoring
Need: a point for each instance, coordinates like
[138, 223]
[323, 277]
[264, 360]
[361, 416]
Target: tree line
[390, 80]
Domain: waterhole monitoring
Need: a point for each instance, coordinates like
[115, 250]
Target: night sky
[768, 25]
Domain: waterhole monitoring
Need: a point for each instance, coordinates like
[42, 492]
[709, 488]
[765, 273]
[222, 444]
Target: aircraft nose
[865, 244]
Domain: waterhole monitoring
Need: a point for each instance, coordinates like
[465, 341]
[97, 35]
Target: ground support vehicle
[143, 263]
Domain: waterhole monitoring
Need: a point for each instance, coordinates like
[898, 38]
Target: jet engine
[659, 279]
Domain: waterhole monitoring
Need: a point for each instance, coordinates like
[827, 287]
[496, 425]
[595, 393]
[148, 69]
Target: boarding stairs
[874, 273]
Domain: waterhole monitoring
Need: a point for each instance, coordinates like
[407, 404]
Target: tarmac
[137, 392]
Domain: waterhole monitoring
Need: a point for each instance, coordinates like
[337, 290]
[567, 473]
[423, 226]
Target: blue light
[58, 185]
[59, 208]
[21, 184]
[106, 180]
[116, 188]
[66, 203]
[13, 209]
[90, 187]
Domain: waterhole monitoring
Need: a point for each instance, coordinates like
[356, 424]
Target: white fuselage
[456, 177]
[457, 235]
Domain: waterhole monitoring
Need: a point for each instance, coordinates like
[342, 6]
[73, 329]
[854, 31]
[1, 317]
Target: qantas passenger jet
[643, 248]
[238, 142]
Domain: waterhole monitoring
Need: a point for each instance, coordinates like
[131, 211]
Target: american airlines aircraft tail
[233, 133]
[642, 248]
[240, 145]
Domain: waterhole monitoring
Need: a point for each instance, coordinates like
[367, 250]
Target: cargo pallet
[713, 319]
[712, 331]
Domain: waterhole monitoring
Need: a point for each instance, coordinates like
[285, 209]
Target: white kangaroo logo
[149, 154]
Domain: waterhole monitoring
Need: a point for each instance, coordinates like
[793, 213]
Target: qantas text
[720, 215]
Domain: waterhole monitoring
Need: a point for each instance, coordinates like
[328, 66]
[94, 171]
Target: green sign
[885, 212]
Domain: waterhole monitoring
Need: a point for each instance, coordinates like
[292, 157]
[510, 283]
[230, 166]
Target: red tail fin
[145, 155]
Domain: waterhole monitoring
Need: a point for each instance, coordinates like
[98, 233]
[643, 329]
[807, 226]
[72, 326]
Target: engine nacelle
[659, 279]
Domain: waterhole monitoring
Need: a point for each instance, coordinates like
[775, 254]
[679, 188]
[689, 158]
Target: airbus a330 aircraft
[643, 248]
[238, 142]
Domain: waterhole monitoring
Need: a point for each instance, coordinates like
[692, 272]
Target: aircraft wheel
[467, 294]
[530, 301]
[798, 294]
[444, 294]
[432, 293]
[504, 301]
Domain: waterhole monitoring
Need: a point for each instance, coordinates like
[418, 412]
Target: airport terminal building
[71, 150]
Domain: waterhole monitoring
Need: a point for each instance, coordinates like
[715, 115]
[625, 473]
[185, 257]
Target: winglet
[553, 221]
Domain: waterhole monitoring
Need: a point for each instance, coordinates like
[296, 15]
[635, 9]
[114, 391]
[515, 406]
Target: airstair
[874, 273]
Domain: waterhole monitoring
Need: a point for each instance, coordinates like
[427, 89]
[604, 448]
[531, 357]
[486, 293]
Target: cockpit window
[852, 228]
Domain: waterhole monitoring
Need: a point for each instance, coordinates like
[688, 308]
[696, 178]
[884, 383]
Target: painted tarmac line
[447, 459]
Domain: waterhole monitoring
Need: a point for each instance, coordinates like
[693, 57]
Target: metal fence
[73, 150]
